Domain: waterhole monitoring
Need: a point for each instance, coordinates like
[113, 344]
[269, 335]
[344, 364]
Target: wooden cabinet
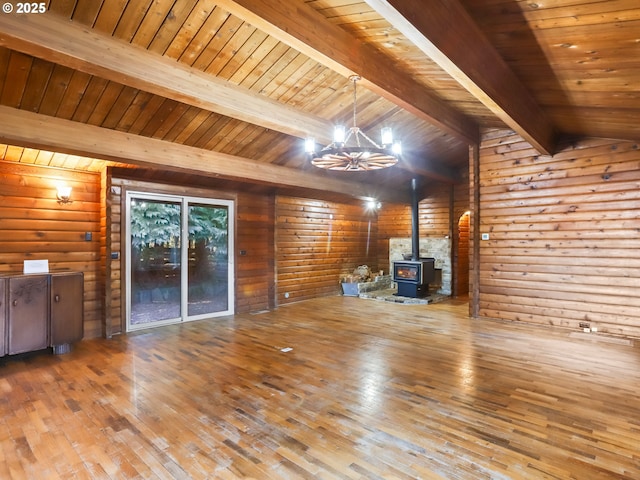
[67, 310]
[39, 311]
[27, 322]
[3, 316]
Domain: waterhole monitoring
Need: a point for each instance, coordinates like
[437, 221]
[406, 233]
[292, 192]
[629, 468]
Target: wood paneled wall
[461, 256]
[434, 212]
[461, 237]
[394, 221]
[34, 226]
[255, 252]
[317, 242]
[114, 269]
[564, 247]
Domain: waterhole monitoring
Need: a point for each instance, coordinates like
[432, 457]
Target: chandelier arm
[351, 130]
[369, 139]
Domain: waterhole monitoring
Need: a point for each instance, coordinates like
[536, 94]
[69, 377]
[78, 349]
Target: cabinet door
[3, 321]
[67, 308]
[28, 320]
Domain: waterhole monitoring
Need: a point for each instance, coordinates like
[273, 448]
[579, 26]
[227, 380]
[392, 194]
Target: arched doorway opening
[461, 259]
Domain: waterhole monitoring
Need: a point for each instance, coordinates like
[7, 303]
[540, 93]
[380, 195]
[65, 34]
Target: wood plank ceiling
[231, 87]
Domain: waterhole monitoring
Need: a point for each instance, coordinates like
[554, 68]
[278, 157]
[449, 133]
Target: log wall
[394, 221]
[255, 251]
[36, 227]
[317, 242]
[461, 256]
[114, 307]
[461, 237]
[434, 212]
[564, 247]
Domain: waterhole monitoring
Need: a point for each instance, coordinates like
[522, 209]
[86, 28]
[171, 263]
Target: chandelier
[353, 150]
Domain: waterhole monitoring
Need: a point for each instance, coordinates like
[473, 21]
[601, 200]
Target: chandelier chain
[355, 79]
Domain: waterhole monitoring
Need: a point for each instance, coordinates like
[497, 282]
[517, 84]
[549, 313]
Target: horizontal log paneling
[255, 236]
[461, 237]
[114, 302]
[105, 263]
[461, 256]
[34, 226]
[434, 212]
[563, 247]
[317, 242]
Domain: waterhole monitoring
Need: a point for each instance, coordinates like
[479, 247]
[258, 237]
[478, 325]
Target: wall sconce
[64, 194]
[372, 204]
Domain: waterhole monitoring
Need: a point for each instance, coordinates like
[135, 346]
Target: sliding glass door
[156, 267]
[208, 286]
[179, 260]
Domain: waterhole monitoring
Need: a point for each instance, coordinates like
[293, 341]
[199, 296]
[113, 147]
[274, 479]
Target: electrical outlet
[485, 236]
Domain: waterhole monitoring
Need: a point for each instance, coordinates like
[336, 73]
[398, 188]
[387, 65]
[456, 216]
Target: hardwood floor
[369, 390]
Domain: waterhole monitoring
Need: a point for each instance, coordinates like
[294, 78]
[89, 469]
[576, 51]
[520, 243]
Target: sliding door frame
[185, 201]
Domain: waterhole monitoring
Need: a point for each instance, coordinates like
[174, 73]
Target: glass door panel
[165, 233]
[208, 284]
[155, 268]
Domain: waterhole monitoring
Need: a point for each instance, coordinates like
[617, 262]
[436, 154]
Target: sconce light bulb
[64, 194]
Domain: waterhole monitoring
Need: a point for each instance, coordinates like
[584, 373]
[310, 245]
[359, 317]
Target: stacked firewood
[360, 274]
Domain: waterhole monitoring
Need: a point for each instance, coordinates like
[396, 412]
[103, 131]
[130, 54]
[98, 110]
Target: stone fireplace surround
[438, 248]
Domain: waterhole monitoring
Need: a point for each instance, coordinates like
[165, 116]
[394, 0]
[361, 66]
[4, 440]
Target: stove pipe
[415, 227]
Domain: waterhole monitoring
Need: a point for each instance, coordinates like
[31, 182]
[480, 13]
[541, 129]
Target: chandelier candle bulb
[310, 145]
[386, 135]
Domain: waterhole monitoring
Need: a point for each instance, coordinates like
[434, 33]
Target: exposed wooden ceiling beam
[69, 44]
[448, 35]
[304, 29]
[27, 129]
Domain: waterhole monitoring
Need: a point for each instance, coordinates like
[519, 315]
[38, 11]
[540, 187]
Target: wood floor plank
[368, 389]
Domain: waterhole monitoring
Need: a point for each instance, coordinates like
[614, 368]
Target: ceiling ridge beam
[447, 34]
[303, 28]
[33, 130]
[78, 47]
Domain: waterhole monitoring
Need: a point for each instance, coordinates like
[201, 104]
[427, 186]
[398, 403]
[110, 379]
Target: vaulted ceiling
[229, 88]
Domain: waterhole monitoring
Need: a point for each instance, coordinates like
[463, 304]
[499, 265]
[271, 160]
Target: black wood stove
[413, 276]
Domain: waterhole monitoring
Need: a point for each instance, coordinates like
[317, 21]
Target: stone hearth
[390, 295]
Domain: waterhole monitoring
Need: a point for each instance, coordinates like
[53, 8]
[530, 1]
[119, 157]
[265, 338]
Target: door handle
[56, 298]
[15, 303]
